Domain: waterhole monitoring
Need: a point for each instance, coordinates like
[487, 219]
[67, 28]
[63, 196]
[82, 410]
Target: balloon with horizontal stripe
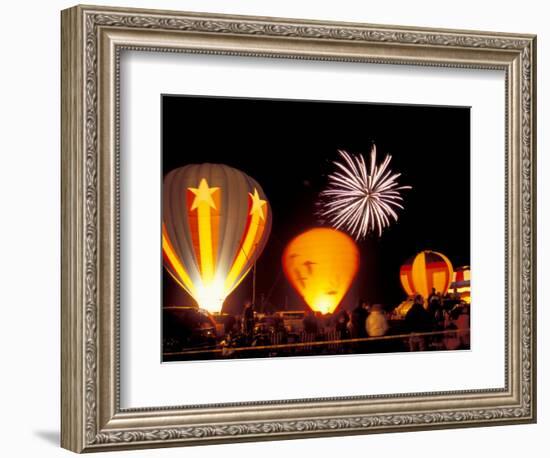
[216, 221]
[424, 271]
[461, 283]
[321, 264]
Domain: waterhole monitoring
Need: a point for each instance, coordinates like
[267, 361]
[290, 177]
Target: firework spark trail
[361, 199]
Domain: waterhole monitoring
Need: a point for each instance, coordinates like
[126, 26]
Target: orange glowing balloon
[321, 264]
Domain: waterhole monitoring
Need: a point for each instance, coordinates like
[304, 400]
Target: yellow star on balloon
[203, 194]
[257, 204]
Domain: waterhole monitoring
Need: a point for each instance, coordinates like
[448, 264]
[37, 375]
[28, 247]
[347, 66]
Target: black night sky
[288, 146]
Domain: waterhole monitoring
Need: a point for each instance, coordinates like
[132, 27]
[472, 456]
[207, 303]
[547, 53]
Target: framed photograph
[278, 228]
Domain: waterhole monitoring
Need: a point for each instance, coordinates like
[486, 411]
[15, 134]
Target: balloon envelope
[426, 270]
[216, 222]
[461, 283]
[321, 264]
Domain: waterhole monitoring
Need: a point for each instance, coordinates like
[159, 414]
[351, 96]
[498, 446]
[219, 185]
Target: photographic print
[305, 228]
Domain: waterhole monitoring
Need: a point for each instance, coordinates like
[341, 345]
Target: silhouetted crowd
[437, 323]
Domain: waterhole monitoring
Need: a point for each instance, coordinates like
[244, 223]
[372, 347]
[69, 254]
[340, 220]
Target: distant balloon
[321, 264]
[426, 270]
[216, 222]
[461, 283]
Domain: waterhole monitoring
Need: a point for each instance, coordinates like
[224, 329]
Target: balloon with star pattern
[216, 221]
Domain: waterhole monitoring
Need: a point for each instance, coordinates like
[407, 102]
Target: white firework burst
[361, 199]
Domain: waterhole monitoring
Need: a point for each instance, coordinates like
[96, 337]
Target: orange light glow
[321, 265]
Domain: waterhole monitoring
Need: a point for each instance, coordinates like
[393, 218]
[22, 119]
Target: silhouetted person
[342, 325]
[311, 326]
[229, 324]
[432, 295]
[435, 305]
[417, 320]
[278, 323]
[358, 320]
[327, 321]
[248, 319]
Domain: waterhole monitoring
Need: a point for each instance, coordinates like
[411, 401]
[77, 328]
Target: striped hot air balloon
[426, 270]
[461, 283]
[216, 221]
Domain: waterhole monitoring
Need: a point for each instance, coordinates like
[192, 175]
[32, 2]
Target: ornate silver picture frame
[93, 39]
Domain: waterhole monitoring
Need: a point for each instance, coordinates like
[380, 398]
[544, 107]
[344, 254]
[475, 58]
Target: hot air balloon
[461, 283]
[216, 221]
[426, 270]
[321, 264]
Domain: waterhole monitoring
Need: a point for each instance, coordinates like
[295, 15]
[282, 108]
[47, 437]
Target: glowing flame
[323, 304]
[210, 296]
